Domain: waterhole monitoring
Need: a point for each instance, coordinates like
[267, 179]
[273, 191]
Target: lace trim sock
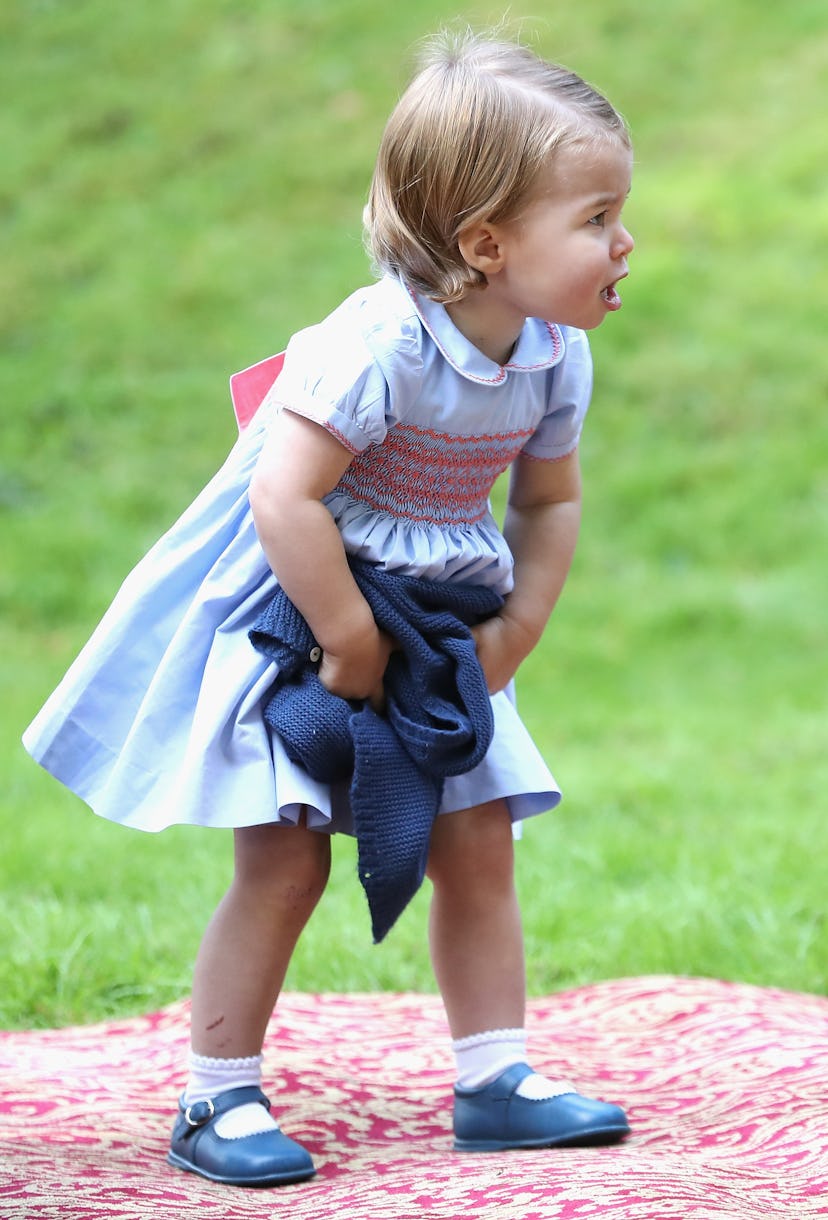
[209, 1077]
[481, 1058]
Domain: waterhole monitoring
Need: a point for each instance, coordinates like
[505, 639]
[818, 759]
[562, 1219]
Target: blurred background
[181, 189]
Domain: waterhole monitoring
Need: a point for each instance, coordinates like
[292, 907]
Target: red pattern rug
[726, 1086]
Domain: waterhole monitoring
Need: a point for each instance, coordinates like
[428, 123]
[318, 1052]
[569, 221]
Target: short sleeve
[559, 431]
[341, 375]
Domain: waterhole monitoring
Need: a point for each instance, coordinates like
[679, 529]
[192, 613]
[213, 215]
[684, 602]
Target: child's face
[563, 257]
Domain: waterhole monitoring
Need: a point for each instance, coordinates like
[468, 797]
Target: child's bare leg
[280, 874]
[475, 927]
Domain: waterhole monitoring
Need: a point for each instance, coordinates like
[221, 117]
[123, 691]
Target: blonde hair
[467, 142]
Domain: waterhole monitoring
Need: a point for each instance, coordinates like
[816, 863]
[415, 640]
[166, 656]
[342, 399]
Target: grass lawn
[182, 189]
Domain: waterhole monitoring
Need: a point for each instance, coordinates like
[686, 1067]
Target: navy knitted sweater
[437, 720]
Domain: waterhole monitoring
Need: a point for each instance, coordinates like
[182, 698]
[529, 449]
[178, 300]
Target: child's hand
[357, 673]
[501, 646]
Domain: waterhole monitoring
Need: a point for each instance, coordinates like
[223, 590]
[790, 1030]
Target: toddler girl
[494, 219]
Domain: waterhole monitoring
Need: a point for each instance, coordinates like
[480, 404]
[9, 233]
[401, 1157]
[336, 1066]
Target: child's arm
[541, 527]
[301, 463]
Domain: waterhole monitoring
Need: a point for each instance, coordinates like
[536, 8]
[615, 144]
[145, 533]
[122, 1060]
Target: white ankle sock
[481, 1058]
[210, 1077]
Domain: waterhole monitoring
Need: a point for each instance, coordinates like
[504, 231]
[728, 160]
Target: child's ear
[482, 247]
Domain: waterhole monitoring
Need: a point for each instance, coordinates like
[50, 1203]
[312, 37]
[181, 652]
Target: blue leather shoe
[496, 1117]
[266, 1159]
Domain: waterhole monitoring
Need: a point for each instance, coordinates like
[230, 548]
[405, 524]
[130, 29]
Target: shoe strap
[202, 1112]
[505, 1084]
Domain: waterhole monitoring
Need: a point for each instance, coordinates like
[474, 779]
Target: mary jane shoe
[496, 1117]
[268, 1158]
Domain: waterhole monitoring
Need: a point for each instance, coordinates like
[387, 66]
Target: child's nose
[624, 243]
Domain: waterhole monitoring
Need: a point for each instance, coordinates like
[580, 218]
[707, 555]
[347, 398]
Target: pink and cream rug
[726, 1086]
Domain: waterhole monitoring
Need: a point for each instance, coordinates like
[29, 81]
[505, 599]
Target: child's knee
[472, 848]
[282, 859]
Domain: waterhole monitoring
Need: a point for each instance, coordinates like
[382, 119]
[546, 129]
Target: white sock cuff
[489, 1037]
[206, 1063]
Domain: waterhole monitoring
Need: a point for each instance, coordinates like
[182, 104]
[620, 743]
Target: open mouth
[611, 297]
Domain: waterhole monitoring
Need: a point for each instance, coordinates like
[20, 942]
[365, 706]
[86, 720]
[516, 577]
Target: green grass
[180, 191]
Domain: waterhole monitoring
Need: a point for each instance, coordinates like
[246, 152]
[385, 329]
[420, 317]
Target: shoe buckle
[199, 1113]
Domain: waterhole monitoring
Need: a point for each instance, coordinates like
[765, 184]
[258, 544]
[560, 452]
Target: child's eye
[599, 220]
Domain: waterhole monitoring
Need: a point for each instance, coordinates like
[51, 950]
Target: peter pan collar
[539, 346]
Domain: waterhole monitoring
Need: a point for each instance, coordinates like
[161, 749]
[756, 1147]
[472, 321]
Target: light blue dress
[159, 720]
